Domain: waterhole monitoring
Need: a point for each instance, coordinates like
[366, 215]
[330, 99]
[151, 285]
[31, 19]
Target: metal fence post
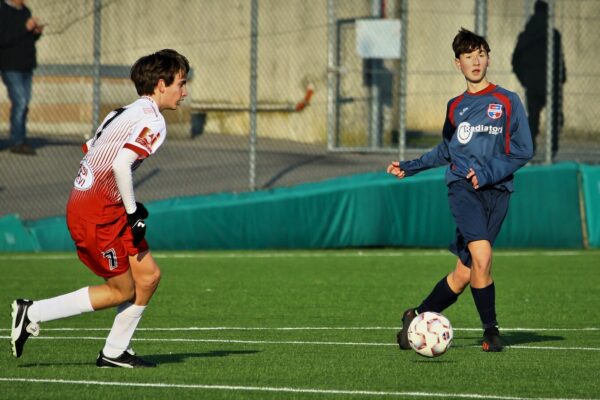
[481, 17]
[331, 74]
[97, 49]
[403, 81]
[253, 91]
[375, 106]
[549, 81]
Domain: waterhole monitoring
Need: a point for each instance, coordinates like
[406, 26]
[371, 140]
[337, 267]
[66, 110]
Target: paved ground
[38, 187]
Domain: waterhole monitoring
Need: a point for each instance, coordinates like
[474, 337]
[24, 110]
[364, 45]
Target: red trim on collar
[487, 90]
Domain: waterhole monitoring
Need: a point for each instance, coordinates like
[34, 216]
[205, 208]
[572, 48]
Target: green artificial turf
[312, 325]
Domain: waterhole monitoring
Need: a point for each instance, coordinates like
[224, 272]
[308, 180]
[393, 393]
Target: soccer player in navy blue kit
[486, 138]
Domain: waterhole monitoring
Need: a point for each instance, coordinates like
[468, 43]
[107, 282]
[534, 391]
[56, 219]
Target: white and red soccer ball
[430, 334]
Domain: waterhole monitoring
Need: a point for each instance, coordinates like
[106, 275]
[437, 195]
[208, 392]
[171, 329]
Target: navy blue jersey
[487, 131]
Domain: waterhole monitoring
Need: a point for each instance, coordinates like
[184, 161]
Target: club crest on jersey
[85, 176]
[494, 111]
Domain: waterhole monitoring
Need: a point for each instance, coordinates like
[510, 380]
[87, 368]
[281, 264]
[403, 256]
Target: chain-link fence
[321, 110]
[432, 79]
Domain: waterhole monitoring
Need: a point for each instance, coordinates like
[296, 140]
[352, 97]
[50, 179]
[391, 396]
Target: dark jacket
[530, 54]
[17, 44]
[486, 131]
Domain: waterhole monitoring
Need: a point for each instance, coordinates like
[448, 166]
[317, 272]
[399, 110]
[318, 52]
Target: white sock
[66, 305]
[126, 321]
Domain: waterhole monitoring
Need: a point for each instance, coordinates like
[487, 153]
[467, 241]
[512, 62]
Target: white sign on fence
[378, 38]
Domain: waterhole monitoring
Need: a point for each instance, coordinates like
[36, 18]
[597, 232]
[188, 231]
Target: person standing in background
[529, 64]
[19, 31]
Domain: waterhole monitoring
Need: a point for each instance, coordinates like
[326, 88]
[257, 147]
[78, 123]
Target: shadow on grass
[515, 338]
[434, 360]
[180, 357]
[157, 358]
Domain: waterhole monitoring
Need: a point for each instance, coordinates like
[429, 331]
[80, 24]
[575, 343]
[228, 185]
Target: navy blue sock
[440, 298]
[485, 301]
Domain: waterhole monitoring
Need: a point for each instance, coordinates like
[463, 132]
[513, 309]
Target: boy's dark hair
[164, 64]
[466, 42]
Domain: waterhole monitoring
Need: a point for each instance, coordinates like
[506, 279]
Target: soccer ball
[430, 334]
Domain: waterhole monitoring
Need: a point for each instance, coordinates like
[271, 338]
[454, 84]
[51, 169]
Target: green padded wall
[364, 210]
[591, 189]
[14, 236]
[544, 210]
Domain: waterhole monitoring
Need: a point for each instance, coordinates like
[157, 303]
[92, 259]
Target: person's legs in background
[18, 85]
[535, 103]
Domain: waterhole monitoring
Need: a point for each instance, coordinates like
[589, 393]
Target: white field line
[306, 254]
[310, 328]
[286, 342]
[278, 389]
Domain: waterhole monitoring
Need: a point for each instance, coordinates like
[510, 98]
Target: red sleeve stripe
[452, 107]
[506, 103]
[143, 153]
[84, 148]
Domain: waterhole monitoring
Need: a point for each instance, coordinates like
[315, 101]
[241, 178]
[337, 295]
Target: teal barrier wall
[590, 178]
[15, 236]
[544, 210]
[356, 211]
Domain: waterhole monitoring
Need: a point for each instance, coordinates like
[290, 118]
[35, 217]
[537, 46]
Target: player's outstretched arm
[394, 169]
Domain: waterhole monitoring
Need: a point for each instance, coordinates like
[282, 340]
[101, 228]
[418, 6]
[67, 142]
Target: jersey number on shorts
[111, 256]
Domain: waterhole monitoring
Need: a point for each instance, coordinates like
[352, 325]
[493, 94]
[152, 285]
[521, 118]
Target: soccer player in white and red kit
[104, 220]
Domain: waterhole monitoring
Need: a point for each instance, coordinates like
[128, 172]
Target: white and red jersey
[139, 127]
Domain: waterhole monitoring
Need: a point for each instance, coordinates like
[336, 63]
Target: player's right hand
[137, 222]
[394, 169]
[472, 177]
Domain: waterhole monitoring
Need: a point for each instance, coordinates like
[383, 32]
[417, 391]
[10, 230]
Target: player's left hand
[137, 223]
[473, 178]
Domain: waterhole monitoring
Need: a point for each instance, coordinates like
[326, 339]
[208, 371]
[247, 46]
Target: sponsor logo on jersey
[146, 139]
[494, 111]
[85, 176]
[465, 131]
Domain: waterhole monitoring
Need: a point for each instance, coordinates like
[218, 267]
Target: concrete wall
[214, 34]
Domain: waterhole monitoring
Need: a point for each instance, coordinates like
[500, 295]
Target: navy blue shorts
[478, 215]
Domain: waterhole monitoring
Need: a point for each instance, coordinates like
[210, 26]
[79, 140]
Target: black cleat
[22, 327]
[491, 340]
[125, 360]
[402, 336]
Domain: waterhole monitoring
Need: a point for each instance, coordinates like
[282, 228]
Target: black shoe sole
[126, 360]
[402, 336]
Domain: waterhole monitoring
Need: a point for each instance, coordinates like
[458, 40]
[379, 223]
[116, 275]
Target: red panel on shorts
[105, 249]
